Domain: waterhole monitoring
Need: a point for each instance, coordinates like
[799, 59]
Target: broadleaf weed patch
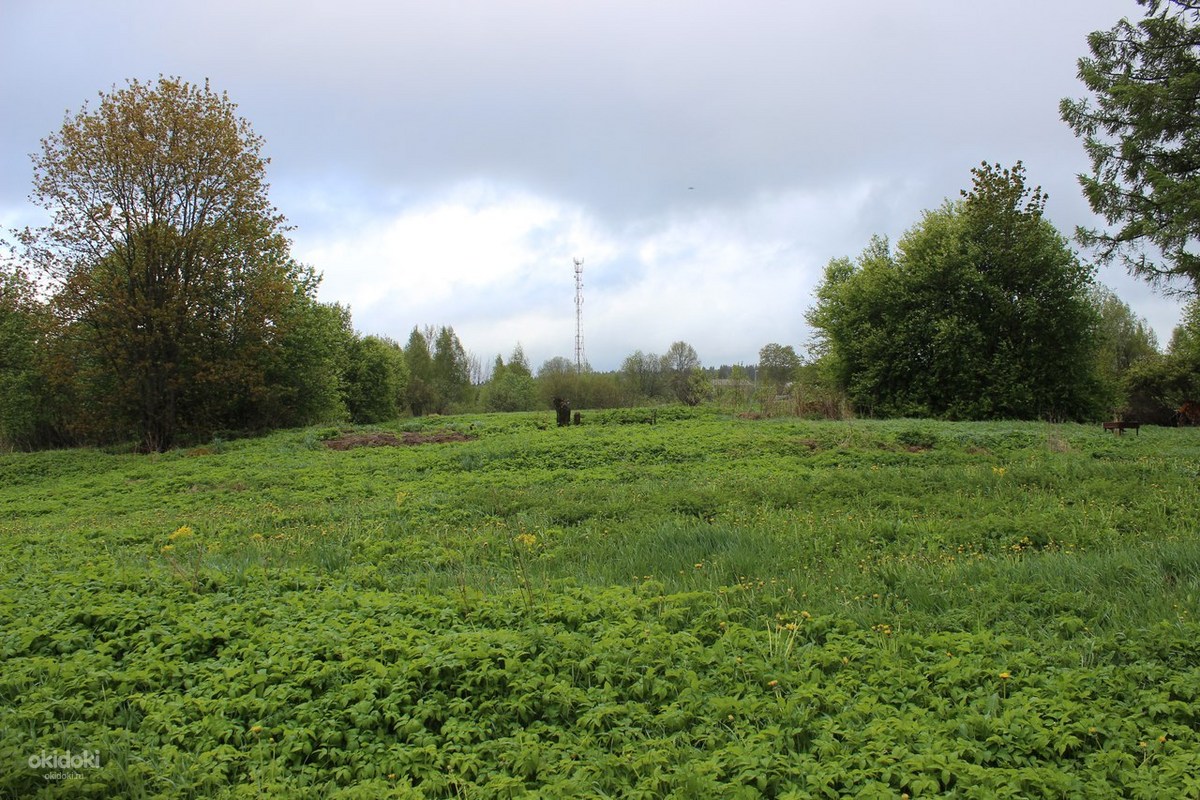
[677, 604]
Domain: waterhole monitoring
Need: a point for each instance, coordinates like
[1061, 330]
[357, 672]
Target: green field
[667, 603]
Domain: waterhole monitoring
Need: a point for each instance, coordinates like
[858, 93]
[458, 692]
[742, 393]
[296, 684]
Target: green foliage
[1159, 385]
[642, 376]
[681, 368]
[1123, 341]
[697, 607]
[173, 290]
[557, 377]
[21, 320]
[512, 386]
[777, 364]
[420, 373]
[1142, 135]
[450, 376]
[981, 313]
[305, 372]
[376, 379]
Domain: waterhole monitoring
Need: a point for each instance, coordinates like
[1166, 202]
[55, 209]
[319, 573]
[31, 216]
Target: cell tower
[579, 360]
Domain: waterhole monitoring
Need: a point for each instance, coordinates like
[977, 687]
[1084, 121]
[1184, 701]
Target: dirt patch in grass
[407, 439]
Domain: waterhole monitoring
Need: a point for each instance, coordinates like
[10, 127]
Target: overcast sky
[445, 161]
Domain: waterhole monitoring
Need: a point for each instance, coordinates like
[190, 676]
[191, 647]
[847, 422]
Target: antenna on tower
[579, 360]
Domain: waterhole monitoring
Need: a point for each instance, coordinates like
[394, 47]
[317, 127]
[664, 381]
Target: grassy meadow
[656, 603]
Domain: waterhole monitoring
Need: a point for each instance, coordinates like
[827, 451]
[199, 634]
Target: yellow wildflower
[181, 532]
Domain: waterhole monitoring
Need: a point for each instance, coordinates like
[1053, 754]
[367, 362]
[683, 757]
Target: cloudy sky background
[444, 162]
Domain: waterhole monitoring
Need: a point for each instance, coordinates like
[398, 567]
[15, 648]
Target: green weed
[661, 602]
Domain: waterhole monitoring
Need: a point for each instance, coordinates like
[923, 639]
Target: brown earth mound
[406, 439]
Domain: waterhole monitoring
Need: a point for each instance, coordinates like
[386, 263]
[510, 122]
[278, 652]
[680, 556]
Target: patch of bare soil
[349, 441]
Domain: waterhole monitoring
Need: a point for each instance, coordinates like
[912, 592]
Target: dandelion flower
[1005, 676]
[256, 728]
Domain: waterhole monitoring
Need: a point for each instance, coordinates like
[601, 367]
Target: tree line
[160, 303]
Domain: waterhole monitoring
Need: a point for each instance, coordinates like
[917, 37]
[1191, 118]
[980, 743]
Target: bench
[1119, 427]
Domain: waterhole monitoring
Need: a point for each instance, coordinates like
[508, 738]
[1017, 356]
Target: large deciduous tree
[982, 312]
[451, 370]
[1141, 130]
[777, 364]
[512, 386]
[375, 381]
[169, 267]
[419, 360]
[681, 366]
[642, 375]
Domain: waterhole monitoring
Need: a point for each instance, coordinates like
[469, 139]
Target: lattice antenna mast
[579, 360]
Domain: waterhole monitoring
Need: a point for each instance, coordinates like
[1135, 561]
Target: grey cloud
[637, 113]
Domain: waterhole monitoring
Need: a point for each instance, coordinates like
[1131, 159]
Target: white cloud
[497, 264]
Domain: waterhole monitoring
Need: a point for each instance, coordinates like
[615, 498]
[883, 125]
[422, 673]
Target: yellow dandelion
[1005, 676]
[772, 684]
[181, 532]
[256, 728]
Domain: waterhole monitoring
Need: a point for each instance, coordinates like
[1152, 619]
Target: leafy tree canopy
[778, 363]
[1141, 129]
[982, 312]
[169, 267]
